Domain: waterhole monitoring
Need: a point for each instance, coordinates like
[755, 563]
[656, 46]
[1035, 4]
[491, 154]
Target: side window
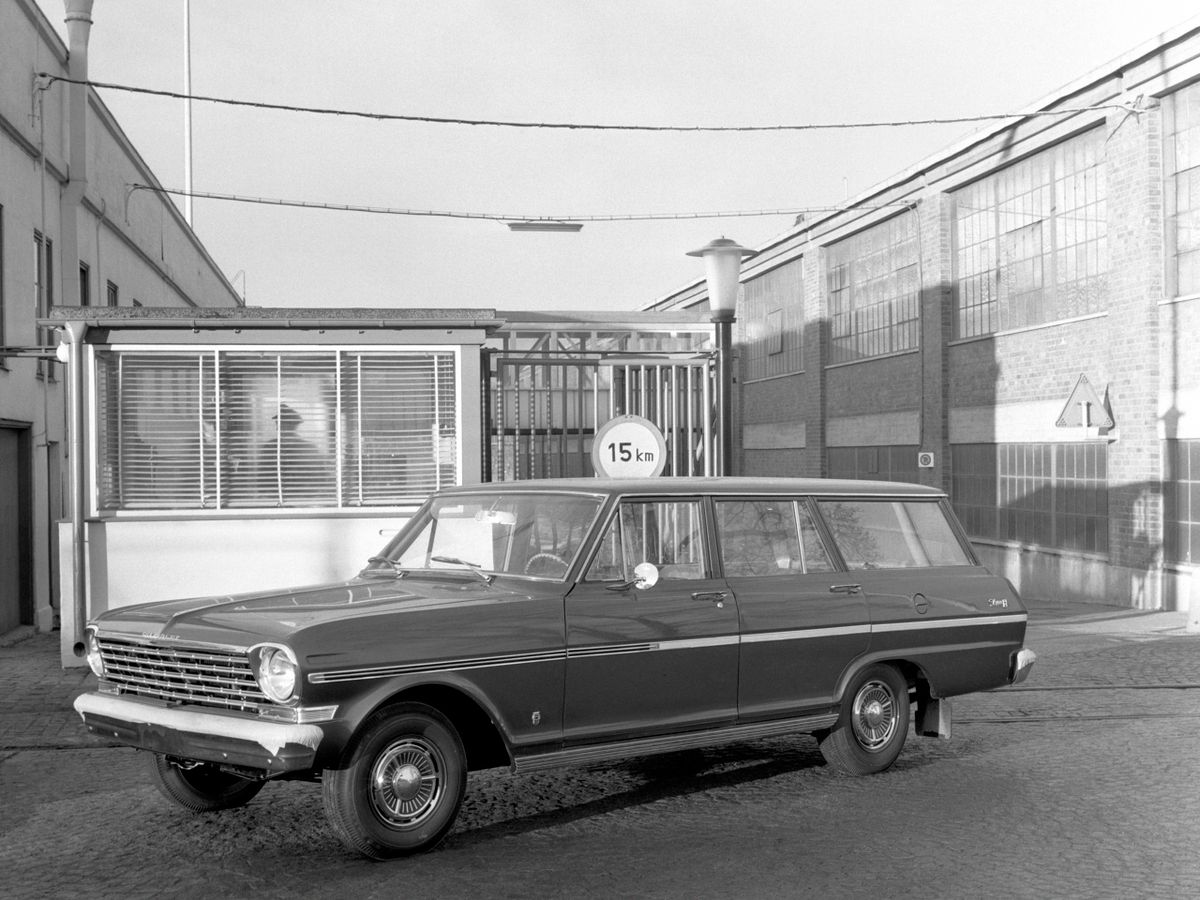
[768, 537]
[892, 534]
[669, 534]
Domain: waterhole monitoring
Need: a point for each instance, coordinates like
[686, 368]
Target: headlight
[93, 653]
[276, 673]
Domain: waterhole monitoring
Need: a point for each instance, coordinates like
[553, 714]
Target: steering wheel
[553, 557]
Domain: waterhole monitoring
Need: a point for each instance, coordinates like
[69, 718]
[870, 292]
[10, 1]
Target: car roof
[739, 484]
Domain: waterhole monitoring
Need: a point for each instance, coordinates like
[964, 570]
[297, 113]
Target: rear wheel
[401, 788]
[201, 787]
[873, 724]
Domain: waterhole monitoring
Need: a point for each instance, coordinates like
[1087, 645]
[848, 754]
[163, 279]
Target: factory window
[1182, 150]
[1051, 495]
[112, 295]
[1181, 501]
[874, 291]
[771, 322]
[85, 285]
[272, 428]
[1031, 241]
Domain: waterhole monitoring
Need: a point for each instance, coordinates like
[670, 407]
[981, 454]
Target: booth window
[251, 429]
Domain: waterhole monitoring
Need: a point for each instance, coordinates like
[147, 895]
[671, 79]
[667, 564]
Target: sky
[623, 62]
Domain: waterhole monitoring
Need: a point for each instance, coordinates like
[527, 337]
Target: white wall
[140, 561]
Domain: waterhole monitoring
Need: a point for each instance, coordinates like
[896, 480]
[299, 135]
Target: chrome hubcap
[407, 782]
[874, 716]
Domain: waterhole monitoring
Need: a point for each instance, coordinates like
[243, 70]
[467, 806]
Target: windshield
[498, 533]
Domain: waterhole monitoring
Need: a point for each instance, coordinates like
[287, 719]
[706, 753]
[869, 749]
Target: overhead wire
[582, 126]
[50, 78]
[495, 217]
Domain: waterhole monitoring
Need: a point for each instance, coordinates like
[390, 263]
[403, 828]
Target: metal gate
[541, 415]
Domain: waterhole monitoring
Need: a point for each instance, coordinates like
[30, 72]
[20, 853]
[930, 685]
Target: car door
[801, 626]
[650, 659]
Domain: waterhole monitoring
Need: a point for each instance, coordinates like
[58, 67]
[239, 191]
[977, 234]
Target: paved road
[1083, 783]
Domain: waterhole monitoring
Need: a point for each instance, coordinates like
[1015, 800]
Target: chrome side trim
[801, 633]
[724, 640]
[965, 622]
[671, 742]
[450, 665]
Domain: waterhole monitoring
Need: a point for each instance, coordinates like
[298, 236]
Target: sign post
[629, 447]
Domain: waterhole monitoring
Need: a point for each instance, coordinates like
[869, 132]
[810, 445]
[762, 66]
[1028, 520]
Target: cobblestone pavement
[1082, 782]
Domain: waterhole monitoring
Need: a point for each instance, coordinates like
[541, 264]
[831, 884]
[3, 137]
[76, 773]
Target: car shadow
[651, 779]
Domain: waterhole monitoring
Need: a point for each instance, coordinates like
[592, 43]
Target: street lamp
[722, 267]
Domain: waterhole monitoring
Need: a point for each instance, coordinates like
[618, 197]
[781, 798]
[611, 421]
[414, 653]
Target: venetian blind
[251, 429]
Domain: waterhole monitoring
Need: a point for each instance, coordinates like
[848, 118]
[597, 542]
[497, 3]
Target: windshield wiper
[393, 570]
[474, 567]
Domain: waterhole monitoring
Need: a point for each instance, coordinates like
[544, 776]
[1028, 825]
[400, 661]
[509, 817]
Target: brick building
[1014, 320]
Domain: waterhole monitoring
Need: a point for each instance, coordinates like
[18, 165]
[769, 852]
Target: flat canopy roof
[732, 484]
[129, 317]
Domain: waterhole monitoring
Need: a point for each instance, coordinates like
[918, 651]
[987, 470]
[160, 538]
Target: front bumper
[272, 747]
[1022, 662]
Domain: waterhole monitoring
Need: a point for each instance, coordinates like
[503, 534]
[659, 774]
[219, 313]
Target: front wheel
[401, 788]
[200, 787]
[873, 724]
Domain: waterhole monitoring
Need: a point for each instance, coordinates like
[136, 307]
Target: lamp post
[722, 266]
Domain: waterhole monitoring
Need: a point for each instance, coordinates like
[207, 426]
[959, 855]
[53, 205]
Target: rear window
[893, 534]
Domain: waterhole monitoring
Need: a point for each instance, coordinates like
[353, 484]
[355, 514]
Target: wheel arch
[913, 673]
[483, 740]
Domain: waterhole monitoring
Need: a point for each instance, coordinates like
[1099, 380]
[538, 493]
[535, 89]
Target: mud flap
[934, 718]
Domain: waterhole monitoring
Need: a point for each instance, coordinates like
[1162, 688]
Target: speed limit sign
[629, 447]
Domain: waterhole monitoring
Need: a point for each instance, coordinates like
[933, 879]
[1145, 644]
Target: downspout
[79, 26]
[74, 332]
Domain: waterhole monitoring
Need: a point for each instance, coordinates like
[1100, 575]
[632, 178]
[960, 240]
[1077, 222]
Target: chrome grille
[182, 674]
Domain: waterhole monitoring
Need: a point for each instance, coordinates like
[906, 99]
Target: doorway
[16, 528]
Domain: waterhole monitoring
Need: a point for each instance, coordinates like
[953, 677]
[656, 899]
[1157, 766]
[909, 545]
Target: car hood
[244, 619]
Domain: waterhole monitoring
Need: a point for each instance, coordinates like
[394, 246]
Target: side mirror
[645, 575]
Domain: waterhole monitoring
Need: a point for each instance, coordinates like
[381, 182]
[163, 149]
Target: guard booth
[223, 451]
[553, 381]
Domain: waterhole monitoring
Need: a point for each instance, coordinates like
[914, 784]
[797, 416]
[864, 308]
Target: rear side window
[768, 537]
[893, 534]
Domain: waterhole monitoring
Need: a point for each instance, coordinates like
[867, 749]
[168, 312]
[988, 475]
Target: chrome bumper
[1022, 663]
[188, 733]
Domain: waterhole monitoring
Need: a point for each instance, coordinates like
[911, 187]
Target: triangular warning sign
[1084, 407]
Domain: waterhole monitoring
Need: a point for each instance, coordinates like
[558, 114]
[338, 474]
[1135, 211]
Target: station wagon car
[544, 623]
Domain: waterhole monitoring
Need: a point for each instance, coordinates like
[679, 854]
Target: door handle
[845, 588]
[716, 597]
